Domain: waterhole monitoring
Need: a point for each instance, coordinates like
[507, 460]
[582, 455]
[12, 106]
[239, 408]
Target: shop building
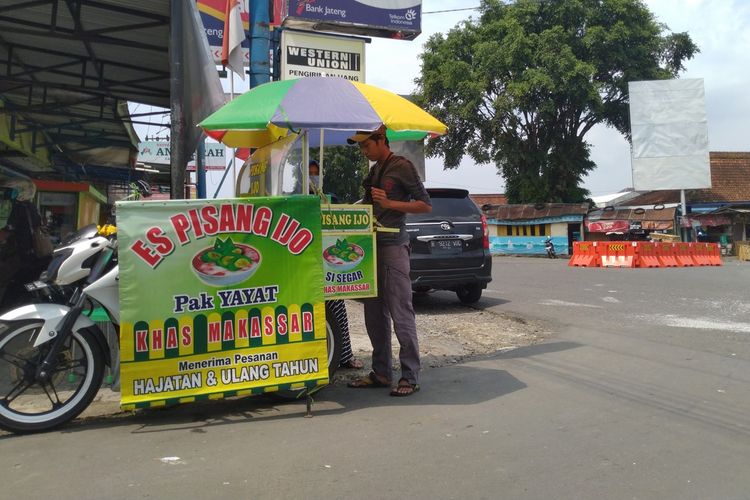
[631, 224]
[523, 229]
[68, 206]
[718, 214]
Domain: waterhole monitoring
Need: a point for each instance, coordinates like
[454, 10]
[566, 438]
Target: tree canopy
[522, 85]
[344, 167]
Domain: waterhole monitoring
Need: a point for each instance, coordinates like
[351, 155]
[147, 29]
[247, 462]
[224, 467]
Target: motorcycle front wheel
[26, 405]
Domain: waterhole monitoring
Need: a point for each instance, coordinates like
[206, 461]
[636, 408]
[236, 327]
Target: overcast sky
[718, 27]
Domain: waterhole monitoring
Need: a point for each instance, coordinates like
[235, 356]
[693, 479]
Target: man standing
[394, 188]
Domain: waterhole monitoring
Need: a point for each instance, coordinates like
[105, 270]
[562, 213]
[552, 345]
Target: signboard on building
[212, 15]
[157, 152]
[307, 54]
[401, 19]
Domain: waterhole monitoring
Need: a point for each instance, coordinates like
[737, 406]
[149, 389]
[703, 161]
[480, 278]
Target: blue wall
[526, 245]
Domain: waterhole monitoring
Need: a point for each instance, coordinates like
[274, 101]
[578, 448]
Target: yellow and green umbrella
[336, 105]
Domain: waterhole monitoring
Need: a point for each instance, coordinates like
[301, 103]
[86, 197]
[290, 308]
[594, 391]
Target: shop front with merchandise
[68, 206]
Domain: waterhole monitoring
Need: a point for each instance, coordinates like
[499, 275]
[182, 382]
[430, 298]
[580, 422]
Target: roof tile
[730, 182]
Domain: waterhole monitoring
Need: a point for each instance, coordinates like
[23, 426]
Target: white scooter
[52, 356]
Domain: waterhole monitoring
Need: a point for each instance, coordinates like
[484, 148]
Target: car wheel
[468, 294]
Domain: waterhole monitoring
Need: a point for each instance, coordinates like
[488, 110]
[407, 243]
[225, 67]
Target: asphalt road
[640, 392]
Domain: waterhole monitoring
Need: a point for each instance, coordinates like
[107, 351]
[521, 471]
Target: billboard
[306, 54]
[669, 135]
[400, 19]
[212, 15]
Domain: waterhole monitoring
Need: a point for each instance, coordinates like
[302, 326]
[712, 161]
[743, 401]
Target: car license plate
[448, 247]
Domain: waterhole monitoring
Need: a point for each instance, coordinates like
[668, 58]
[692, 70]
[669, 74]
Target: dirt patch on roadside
[449, 333]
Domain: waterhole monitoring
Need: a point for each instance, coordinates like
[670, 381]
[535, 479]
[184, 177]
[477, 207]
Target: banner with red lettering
[220, 298]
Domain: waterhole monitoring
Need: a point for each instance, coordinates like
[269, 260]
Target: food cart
[227, 297]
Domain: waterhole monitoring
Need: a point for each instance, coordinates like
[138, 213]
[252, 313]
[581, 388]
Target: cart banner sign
[220, 298]
[349, 260]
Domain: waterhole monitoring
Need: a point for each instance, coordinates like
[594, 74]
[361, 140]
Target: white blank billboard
[670, 135]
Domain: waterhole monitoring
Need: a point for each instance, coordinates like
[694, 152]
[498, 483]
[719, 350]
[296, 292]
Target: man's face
[371, 149]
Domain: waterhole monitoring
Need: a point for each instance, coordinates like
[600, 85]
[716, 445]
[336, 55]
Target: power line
[450, 10]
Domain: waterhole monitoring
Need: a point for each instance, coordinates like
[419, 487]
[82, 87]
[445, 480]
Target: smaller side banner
[349, 259]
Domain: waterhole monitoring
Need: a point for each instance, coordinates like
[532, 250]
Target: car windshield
[447, 207]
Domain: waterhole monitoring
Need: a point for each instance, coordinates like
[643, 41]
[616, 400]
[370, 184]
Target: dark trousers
[393, 306]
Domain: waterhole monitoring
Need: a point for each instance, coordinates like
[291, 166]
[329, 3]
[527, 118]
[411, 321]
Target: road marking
[611, 300]
[698, 323]
[553, 302]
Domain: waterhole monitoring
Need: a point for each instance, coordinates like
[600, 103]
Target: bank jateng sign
[306, 54]
[392, 19]
[220, 298]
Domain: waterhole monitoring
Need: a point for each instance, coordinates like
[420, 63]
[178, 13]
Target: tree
[343, 170]
[522, 85]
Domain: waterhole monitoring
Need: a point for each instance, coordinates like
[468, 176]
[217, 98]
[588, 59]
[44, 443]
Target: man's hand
[380, 197]
[408, 207]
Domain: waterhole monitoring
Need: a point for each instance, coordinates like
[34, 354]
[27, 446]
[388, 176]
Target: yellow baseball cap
[363, 135]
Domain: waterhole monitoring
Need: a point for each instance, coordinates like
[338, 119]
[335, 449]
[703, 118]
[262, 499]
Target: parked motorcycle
[52, 355]
[550, 247]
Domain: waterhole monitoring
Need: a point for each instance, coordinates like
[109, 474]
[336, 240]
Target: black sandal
[404, 384]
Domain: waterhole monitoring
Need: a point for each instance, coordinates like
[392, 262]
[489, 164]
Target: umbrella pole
[223, 177]
[234, 161]
[320, 159]
[305, 163]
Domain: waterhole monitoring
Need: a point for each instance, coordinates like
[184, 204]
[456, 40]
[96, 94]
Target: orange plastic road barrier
[616, 254]
[584, 254]
[646, 252]
[682, 254]
[700, 253]
[665, 254]
[714, 254]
